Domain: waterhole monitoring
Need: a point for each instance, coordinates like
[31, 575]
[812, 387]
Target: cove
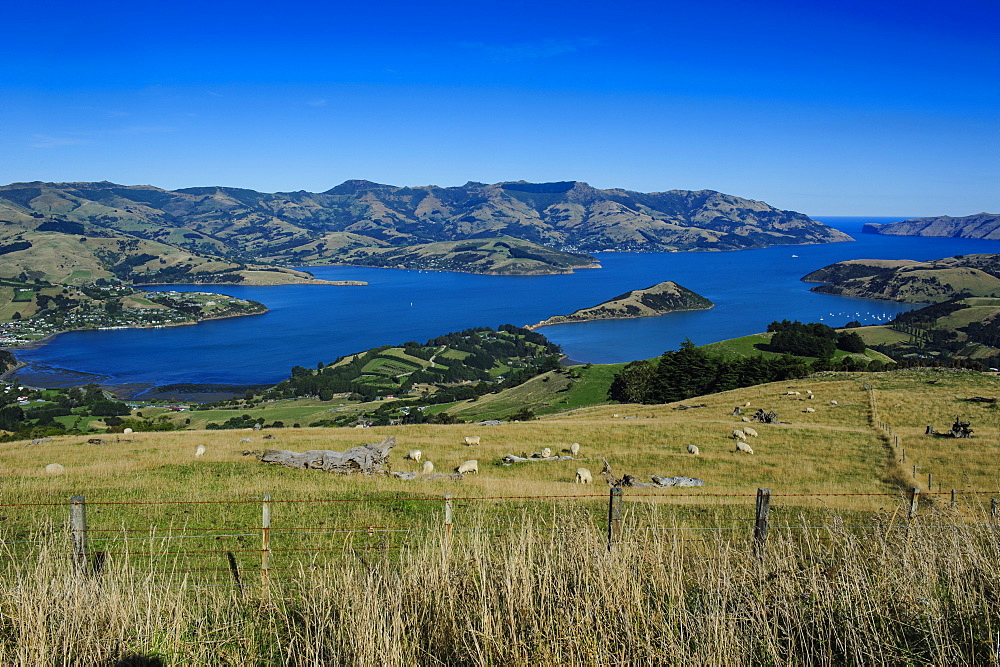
[308, 324]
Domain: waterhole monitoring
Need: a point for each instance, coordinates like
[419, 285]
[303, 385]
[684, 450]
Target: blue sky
[829, 108]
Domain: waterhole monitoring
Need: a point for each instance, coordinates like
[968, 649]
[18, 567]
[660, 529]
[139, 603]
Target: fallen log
[364, 459]
[510, 458]
[433, 477]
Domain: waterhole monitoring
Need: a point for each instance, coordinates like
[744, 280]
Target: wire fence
[226, 541]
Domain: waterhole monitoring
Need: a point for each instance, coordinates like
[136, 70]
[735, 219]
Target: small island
[660, 299]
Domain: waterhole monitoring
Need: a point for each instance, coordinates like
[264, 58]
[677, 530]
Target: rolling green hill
[910, 281]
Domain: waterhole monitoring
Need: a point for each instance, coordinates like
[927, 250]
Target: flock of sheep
[583, 475]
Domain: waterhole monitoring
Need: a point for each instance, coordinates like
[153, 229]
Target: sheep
[468, 468]
[739, 435]
[471, 440]
[199, 451]
[428, 468]
[245, 440]
[747, 404]
[546, 452]
[54, 469]
[583, 476]
[693, 449]
[749, 431]
[413, 455]
[745, 419]
[574, 449]
[809, 391]
[743, 447]
[811, 396]
[127, 431]
[834, 403]
[810, 409]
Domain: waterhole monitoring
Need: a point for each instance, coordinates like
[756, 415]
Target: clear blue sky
[830, 108]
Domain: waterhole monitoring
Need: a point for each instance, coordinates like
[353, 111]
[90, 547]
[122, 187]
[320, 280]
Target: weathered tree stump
[364, 459]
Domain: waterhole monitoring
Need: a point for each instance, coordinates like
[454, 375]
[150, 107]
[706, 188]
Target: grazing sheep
[615, 415]
[583, 476]
[745, 419]
[468, 468]
[810, 409]
[834, 403]
[54, 469]
[546, 453]
[739, 435]
[811, 396]
[743, 447]
[413, 455]
[471, 440]
[127, 431]
[747, 404]
[199, 451]
[749, 431]
[809, 391]
[693, 449]
[574, 449]
[428, 468]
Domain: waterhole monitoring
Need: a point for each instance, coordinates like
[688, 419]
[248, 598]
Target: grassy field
[757, 344]
[363, 572]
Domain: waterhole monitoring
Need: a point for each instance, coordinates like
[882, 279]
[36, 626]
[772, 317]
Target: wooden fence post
[448, 515]
[914, 501]
[265, 548]
[78, 524]
[761, 521]
[930, 482]
[614, 516]
[953, 503]
[993, 507]
[234, 570]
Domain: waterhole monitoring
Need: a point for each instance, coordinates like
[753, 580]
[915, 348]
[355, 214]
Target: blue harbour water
[313, 323]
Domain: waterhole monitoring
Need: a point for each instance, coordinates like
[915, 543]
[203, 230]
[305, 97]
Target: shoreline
[546, 323]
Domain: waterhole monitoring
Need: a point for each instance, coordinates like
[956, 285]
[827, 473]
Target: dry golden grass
[886, 594]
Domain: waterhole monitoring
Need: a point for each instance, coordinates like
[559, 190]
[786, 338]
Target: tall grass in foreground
[888, 593]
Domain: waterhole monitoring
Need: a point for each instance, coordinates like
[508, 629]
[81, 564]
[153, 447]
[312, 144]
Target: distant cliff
[979, 226]
[662, 298]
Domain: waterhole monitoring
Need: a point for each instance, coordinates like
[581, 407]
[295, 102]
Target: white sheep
[546, 452]
[54, 469]
[747, 404]
[811, 396]
[743, 447]
[413, 455]
[739, 435]
[199, 451]
[810, 409]
[583, 476]
[127, 431]
[809, 391]
[468, 468]
[745, 419]
[834, 403]
[693, 449]
[574, 449]
[471, 440]
[427, 468]
[749, 431]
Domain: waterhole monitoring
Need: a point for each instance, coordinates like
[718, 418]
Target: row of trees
[690, 372]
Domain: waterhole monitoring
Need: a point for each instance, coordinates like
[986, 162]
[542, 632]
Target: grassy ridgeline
[888, 593]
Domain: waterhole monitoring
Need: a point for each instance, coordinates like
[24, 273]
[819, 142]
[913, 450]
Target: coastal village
[122, 308]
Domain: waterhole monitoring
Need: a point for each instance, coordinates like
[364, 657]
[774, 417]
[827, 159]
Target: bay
[313, 323]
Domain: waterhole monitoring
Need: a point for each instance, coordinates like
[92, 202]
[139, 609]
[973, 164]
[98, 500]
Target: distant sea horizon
[311, 324]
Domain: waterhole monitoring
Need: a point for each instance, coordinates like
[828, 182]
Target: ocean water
[309, 324]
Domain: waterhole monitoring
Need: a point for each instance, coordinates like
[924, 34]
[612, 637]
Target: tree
[634, 383]
[850, 341]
